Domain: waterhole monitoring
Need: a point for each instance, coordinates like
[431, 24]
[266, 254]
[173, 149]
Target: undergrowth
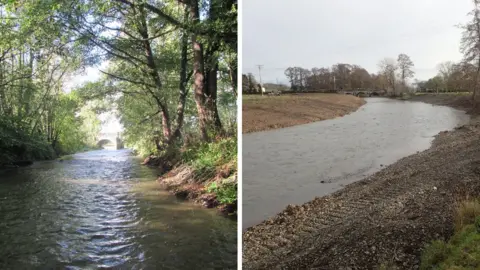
[226, 191]
[462, 250]
[218, 158]
[16, 144]
[205, 158]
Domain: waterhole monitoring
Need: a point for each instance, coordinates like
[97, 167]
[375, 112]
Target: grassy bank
[206, 173]
[462, 250]
[271, 112]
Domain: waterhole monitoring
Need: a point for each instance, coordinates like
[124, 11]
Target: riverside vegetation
[167, 72]
[462, 250]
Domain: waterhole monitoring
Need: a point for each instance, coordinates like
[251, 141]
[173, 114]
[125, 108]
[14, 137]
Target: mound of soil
[271, 112]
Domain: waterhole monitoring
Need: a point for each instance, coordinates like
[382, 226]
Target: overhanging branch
[127, 80]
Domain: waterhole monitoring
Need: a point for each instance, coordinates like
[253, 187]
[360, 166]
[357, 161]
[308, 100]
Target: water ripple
[83, 214]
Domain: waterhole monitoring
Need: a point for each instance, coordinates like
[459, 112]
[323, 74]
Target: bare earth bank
[386, 218]
[271, 112]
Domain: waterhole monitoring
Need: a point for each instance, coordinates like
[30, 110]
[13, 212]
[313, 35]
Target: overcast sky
[320, 33]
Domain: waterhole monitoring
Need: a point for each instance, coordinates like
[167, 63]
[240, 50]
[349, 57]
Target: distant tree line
[339, 77]
[451, 77]
[250, 84]
[392, 76]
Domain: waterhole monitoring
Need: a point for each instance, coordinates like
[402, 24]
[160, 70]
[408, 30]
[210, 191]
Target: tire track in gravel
[335, 215]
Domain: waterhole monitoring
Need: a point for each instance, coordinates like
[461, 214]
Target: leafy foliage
[164, 89]
[39, 119]
[17, 144]
[206, 157]
[226, 191]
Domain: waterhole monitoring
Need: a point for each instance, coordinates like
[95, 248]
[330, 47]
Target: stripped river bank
[262, 113]
[386, 218]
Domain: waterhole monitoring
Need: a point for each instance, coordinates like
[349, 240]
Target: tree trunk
[143, 31]
[233, 68]
[205, 99]
[212, 79]
[476, 85]
[183, 84]
[211, 100]
[2, 92]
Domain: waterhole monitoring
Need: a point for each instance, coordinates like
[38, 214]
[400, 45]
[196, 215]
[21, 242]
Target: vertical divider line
[239, 136]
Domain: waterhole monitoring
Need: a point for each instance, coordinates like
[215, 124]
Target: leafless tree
[360, 78]
[342, 72]
[470, 44]
[405, 66]
[298, 77]
[446, 69]
[388, 68]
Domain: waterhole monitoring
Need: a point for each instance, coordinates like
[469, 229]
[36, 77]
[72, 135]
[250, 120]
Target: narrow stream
[103, 210]
[296, 164]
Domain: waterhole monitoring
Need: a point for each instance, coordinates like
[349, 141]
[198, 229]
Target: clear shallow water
[294, 165]
[104, 210]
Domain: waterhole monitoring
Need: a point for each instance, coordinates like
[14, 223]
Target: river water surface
[296, 164]
[103, 210]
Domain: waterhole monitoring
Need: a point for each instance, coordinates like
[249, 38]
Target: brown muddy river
[296, 164]
[102, 210]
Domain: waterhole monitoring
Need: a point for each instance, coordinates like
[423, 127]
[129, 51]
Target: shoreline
[390, 214]
[178, 182]
[208, 189]
[263, 113]
[22, 163]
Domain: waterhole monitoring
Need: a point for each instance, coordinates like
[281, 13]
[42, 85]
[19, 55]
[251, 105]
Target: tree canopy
[170, 70]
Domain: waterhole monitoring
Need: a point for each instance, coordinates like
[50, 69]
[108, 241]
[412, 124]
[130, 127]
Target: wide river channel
[102, 210]
[296, 164]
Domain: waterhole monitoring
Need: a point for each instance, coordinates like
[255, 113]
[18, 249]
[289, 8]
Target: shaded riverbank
[386, 218]
[271, 112]
[204, 173]
[14, 162]
[181, 182]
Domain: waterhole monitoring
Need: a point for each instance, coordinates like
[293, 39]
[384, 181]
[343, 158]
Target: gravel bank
[386, 218]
